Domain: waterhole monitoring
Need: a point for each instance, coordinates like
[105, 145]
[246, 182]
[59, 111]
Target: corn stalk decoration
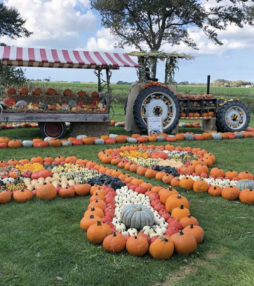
[147, 59]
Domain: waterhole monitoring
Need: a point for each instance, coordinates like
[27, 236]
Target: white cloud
[55, 23]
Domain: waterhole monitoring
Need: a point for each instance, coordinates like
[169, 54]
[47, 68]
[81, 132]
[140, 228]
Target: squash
[216, 136]
[161, 138]
[99, 141]
[66, 143]
[131, 140]
[239, 135]
[245, 184]
[27, 143]
[81, 137]
[137, 216]
[189, 137]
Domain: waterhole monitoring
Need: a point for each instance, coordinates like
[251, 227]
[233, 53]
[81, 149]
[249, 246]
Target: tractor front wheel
[233, 116]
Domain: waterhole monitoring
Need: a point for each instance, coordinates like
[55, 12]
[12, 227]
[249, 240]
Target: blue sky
[71, 24]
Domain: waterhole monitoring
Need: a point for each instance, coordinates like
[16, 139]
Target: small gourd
[66, 143]
[161, 138]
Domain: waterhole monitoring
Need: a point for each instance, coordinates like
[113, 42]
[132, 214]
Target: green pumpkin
[189, 137]
[99, 141]
[66, 143]
[245, 184]
[131, 140]
[239, 135]
[81, 136]
[216, 136]
[161, 138]
[27, 143]
[137, 216]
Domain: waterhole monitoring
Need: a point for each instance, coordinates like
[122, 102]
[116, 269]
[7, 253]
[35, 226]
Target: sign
[154, 125]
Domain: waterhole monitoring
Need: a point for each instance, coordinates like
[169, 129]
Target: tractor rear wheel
[157, 101]
[233, 116]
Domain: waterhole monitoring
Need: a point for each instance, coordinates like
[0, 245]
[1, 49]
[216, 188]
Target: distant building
[75, 81]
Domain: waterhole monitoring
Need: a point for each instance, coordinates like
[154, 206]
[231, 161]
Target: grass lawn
[42, 243]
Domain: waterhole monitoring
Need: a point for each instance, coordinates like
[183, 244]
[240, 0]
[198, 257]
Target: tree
[154, 23]
[11, 25]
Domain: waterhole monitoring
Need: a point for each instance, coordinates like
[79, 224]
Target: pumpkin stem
[181, 232]
[179, 196]
[181, 207]
[191, 225]
[91, 216]
[98, 222]
[114, 234]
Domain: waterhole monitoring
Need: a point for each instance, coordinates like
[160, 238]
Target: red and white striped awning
[52, 58]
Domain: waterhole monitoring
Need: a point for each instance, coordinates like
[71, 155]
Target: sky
[73, 25]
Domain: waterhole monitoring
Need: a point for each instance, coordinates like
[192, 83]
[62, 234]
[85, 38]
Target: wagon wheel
[157, 101]
[233, 116]
[53, 129]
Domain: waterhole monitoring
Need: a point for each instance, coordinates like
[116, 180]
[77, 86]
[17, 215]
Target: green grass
[40, 241]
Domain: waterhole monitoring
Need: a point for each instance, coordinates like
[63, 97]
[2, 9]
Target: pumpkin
[37, 91]
[4, 140]
[67, 92]
[196, 230]
[201, 168]
[94, 211]
[67, 192]
[55, 142]
[27, 143]
[245, 184]
[175, 201]
[9, 101]
[245, 175]
[161, 138]
[87, 221]
[184, 243]
[46, 192]
[66, 143]
[180, 212]
[162, 248]
[230, 193]
[239, 135]
[231, 174]
[216, 136]
[22, 195]
[247, 196]
[10, 90]
[137, 245]
[200, 186]
[72, 103]
[215, 191]
[5, 197]
[88, 140]
[51, 91]
[94, 94]
[114, 243]
[189, 137]
[82, 189]
[185, 221]
[81, 93]
[186, 183]
[99, 141]
[21, 103]
[14, 143]
[137, 216]
[97, 232]
[23, 91]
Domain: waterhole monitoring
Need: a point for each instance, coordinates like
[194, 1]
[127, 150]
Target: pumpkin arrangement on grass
[136, 216]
